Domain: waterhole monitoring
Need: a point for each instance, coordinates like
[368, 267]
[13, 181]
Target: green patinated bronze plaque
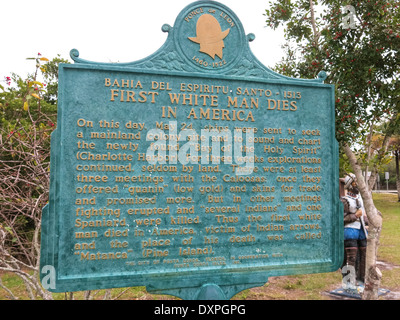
[196, 172]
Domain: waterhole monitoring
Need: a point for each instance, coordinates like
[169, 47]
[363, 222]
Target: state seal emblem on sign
[210, 36]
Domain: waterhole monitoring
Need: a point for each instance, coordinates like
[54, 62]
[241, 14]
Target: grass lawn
[389, 249]
[299, 287]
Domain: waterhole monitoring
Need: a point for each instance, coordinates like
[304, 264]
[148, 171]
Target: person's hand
[359, 213]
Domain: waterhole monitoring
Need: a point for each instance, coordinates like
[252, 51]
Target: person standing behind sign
[355, 229]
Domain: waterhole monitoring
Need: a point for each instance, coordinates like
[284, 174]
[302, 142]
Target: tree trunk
[381, 152]
[313, 24]
[397, 156]
[372, 273]
[373, 173]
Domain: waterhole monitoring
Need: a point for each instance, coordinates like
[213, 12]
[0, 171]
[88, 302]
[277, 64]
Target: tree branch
[313, 24]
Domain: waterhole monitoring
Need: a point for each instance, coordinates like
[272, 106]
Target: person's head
[350, 183]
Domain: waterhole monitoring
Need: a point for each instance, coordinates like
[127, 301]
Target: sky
[109, 30]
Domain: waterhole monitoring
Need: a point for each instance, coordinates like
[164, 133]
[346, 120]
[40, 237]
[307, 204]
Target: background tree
[394, 145]
[357, 43]
[27, 118]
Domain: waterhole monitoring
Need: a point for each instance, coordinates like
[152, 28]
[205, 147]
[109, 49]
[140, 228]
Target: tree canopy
[356, 44]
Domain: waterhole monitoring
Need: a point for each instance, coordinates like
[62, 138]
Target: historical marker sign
[196, 172]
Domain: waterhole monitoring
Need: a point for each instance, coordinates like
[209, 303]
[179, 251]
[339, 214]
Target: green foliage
[31, 95]
[362, 60]
[30, 102]
[50, 75]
